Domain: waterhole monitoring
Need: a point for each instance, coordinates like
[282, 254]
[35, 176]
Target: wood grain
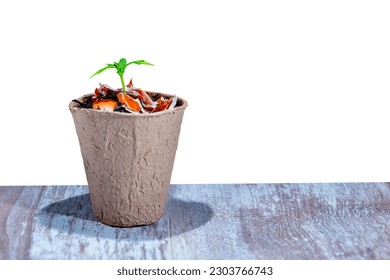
[250, 221]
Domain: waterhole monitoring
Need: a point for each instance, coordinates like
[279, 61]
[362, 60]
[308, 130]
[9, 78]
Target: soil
[134, 101]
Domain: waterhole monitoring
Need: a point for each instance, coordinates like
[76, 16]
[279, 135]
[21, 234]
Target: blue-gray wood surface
[248, 221]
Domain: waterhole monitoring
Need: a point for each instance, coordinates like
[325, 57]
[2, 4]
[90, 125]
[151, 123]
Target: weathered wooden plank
[7, 201]
[20, 219]
[322, 221]
[252, 221]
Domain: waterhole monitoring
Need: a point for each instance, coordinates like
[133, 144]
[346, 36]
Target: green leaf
[122, 62]
[139, 62]
[121, 66]
[103, 69]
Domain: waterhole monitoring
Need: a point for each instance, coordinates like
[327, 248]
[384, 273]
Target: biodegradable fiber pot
[128, 160]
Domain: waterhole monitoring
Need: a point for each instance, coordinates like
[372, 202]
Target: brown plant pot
[128, 160]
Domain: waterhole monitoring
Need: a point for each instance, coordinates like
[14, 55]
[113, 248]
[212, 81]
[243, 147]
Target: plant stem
[123, 83]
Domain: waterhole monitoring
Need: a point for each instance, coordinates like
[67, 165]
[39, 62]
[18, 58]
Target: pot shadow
[75, 215]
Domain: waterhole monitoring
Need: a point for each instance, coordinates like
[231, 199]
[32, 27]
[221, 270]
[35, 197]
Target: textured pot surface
[128, 160]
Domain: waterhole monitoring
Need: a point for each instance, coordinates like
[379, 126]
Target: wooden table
[247, 221]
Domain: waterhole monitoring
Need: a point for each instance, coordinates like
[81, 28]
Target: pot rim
[73, 106]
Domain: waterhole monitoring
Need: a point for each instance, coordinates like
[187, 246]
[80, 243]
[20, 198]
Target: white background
[278, 91]
[107, 269]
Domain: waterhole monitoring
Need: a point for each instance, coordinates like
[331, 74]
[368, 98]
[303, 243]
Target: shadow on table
[75, 215]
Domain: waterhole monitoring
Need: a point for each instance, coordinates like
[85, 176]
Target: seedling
[120, 69]
[128, 99]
